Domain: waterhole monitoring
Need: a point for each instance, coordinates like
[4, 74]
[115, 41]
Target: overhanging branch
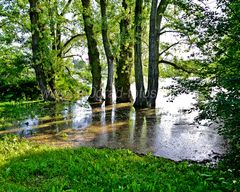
[68, 42]
[76, 55]
[176, 66]
[165, 50]
[169, 31]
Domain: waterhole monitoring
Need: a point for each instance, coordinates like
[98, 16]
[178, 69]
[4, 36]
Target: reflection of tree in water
[98, 113]
[118, 126]
[136, 127]
[145, 129]
[126, 127]
[59, 116]
[152, 121]
[52, 118]
[110, 120]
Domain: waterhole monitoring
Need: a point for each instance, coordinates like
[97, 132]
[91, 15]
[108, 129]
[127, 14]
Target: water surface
[166, 131]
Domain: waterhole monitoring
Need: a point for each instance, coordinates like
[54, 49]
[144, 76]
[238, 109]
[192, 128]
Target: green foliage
[226, 102]
[17, 80]
[16, 66]
[21, 90]
[28, 167]
[71, 80]
[219, 83]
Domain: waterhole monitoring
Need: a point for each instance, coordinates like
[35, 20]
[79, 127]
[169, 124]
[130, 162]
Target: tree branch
[164, 27]
[175, 66]
[161, 7]
[69, 49]
[69, 72]
[71, 39]
[170, 31]
[71, 30]
[233, 11]
[164, 51]
[76, 55]
[66, 7]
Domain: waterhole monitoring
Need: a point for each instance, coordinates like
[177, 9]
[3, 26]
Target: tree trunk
[93, 53]
[37, 50]
[125, 61]
[108, 52]
[153, 70]
[140, 89]
[52, 12]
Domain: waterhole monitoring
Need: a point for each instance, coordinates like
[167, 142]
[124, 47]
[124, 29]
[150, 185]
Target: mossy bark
[93, 53]
[38, 50]
[125, 61]
[56, 38]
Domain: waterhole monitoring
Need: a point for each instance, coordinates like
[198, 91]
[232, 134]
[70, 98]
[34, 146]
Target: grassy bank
[28, 167]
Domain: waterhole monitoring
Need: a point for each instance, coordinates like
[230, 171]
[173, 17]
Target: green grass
[25, 166]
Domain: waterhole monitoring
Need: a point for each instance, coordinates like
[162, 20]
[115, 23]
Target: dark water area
[167, 131]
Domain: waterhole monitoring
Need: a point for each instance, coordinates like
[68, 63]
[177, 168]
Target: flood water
[167, 131]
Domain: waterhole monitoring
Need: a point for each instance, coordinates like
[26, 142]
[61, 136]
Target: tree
[125, 60]
[108, 52]
[93, 53]
[59, 34]
[217, 30]
[140, 89]
[225, 104]
[40, 48]
[65, 33]
[157, 11]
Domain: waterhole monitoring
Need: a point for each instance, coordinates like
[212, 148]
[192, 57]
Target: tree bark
[153, 71]
[125, 61]
[108, 52]
[37, 30]
[140, 89]
[93, 53]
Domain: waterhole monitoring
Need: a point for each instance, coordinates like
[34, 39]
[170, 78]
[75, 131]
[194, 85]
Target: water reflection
[165, 131]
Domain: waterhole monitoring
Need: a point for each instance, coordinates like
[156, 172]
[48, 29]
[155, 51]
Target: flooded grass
[171, 134]
[51, 158]
[13, 114]
[25, 166]
[166, 131]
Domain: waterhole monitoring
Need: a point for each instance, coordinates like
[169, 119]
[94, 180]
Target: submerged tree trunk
[38, 49]
[93, 53]
[108, 52]
[140, 89]
[153, 71]
[125, 61]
